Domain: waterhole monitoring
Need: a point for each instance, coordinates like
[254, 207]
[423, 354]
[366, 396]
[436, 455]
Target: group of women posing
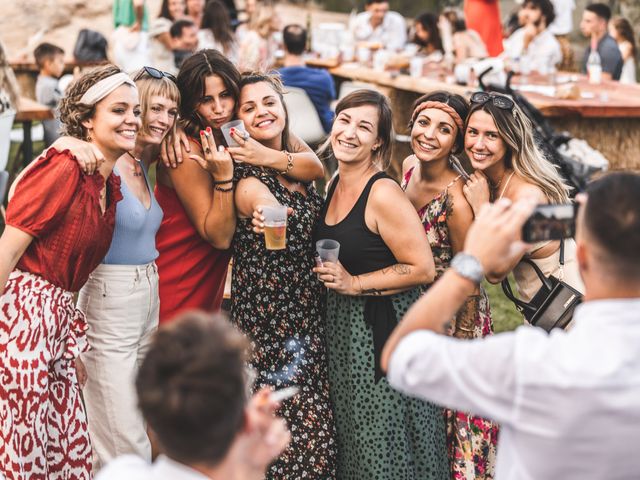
[170, 253]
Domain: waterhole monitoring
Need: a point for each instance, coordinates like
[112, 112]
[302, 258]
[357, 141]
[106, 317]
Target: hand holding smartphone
[550, 222]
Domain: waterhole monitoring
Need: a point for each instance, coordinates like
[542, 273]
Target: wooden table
[609, 120]
[28, 112]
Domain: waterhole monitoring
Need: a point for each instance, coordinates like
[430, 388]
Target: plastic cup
[226, 131]
[327, 250]
[275, 227]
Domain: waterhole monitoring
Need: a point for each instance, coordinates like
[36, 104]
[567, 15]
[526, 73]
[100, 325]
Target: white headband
[104, 87]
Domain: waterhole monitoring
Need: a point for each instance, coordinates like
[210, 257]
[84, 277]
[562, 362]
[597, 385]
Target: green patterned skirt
[382, 434]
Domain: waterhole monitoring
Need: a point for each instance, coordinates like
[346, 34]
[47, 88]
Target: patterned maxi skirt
[43, 427]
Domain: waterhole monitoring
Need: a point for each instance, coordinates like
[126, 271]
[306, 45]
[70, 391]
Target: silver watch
[468, 266]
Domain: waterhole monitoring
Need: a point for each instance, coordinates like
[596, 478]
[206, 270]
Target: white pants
[121, 304]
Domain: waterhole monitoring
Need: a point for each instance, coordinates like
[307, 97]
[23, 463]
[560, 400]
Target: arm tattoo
[399, 268]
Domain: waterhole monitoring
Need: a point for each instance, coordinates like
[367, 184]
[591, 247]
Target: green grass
[504, 314]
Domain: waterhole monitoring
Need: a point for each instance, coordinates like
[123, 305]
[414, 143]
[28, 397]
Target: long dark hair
[625, 30]
[191, 83]
[216, 18]
[429, 22]
[273, 80]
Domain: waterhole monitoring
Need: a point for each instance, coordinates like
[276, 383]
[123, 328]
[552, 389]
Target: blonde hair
[261, 20]
[149, 87]
[523, 155]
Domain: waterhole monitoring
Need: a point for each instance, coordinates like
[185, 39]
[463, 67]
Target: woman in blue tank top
[384, 260]
[120, 299]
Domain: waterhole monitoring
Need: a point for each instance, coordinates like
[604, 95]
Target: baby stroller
[574, 158]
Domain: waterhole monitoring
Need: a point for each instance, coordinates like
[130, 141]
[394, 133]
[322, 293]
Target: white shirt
[568, 403]
[391, 33]
[563, 23]
[132, 467]
[542, 52]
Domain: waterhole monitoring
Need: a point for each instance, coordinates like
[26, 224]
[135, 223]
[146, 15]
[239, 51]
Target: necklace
[136, 169]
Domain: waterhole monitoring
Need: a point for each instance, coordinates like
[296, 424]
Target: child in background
[50, 61]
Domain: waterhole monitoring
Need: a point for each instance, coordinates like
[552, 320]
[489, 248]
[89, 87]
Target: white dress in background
[628, 74]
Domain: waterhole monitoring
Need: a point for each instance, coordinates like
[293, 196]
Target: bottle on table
[594, 64]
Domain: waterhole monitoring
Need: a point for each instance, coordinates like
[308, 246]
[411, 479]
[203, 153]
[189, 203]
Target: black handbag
[91, 46]
[552, 306]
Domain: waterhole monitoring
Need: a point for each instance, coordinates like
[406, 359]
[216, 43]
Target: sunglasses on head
[155, 73]
[501, 101]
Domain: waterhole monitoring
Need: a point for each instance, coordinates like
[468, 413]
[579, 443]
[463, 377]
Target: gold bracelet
[289, 163]
[222, 189]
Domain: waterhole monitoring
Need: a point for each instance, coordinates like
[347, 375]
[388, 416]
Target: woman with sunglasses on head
[276, 299]
[384, 259]
[433, 180]
[120, 299]
[59, 227]
[197, 196]
[500, 145]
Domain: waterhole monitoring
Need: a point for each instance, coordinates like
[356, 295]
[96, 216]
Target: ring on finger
[207, 150]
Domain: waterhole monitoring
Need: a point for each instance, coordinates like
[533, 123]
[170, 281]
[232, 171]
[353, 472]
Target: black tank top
[361, 250]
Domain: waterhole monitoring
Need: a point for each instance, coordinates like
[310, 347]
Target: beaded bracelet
[289, 163]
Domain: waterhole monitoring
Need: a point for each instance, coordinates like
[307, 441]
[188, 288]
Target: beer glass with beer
[275, 227]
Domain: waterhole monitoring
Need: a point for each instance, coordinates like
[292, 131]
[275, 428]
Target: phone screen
[550, 222]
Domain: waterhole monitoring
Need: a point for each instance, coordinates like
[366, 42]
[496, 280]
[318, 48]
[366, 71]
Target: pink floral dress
[471, 441]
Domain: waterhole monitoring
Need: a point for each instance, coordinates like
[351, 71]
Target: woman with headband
[120, 299]
[433, 180]
[197, 197]
[59, 228]
[500, 145]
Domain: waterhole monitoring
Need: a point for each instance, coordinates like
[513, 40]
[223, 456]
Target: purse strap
[521, 305]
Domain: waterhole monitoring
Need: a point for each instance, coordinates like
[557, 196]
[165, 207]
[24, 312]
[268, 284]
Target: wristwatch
[468, 266]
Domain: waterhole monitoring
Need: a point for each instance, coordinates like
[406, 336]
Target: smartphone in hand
[550, 222]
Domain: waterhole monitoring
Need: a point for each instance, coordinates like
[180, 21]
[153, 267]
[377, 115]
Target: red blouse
[60, 207]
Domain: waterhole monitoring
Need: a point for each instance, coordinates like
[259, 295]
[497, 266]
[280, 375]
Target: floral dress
[277, 300]
[471, 441]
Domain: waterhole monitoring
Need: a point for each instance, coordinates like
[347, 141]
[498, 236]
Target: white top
[568, 404]
[628, 74]
[563, 23]
[132, 467]
[543, 51]
[391, 33]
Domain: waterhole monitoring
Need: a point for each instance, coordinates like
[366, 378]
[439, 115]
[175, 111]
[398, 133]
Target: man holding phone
[568, 403]
[534, 43]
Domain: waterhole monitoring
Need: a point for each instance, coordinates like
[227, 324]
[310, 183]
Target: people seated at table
[466, 43]
[427, 36]
[562, 27]
[160, 42]
[483, 16]
[192, 390]
[533, 43]
[378, 25]
[184, 36]
[318, 83]
[216, 31]
[594, 25]
[50, 61]
[622, 32]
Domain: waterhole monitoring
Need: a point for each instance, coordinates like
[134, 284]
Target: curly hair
[72, 112]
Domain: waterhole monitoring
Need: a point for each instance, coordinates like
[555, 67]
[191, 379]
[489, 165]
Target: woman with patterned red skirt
[59, 228]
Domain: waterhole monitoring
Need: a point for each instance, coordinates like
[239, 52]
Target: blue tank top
[134, 238]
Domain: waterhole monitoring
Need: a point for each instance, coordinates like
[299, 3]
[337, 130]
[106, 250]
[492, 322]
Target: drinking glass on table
[275, 227]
